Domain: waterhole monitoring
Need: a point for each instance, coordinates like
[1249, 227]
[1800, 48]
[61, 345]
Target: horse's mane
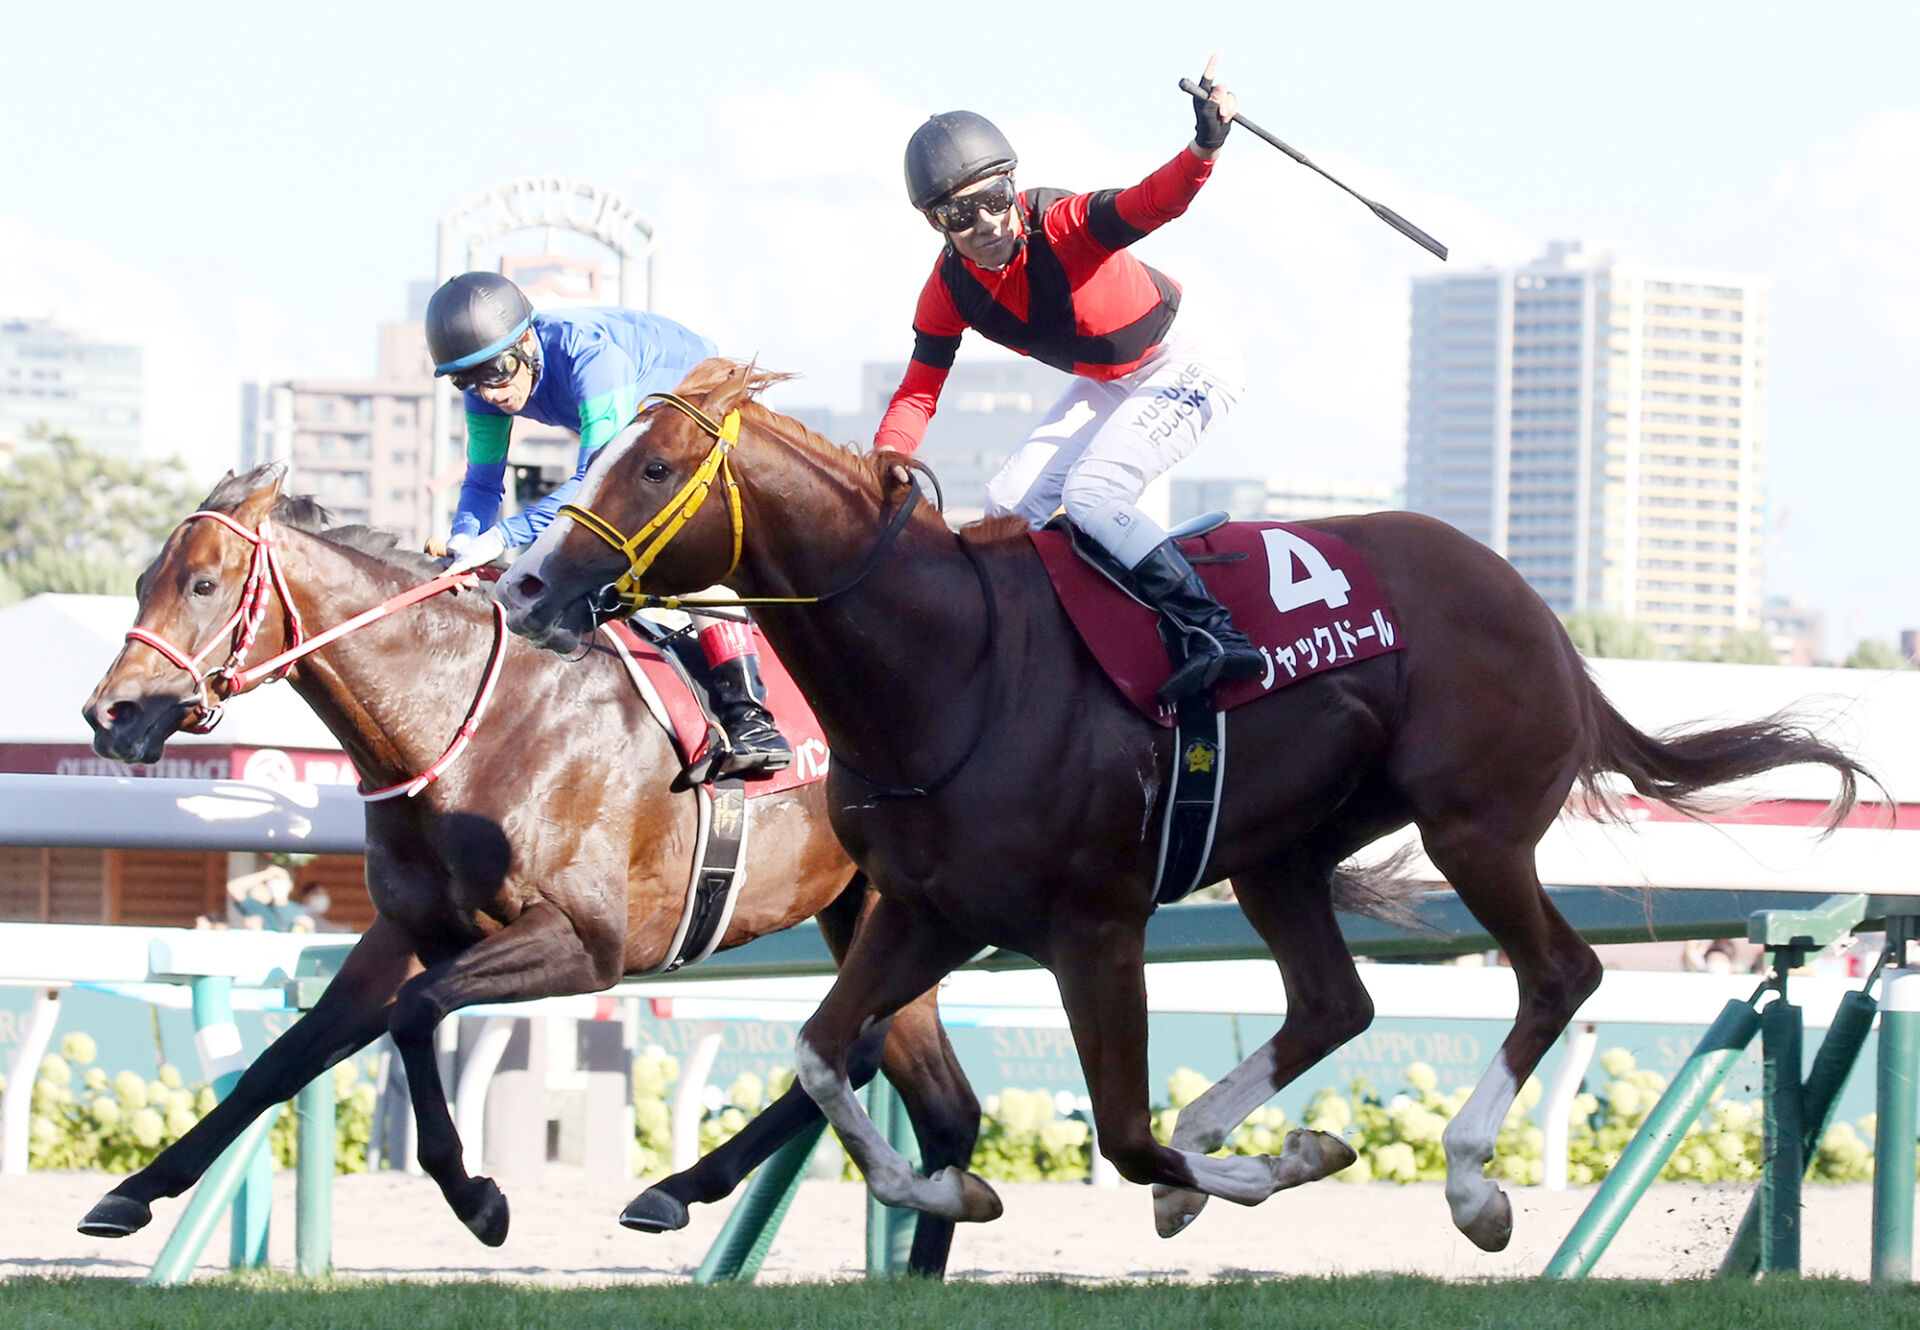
[870, 464]
[304, 513]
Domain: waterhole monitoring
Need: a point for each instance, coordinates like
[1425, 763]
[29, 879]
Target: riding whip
[1380, 210]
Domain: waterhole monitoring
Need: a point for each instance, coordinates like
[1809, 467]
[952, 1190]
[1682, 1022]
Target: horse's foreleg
[543, 953]
[896, 956]
[350, 1015]
[1101, 971]
[1326, 1006]
[1556, 970]
[662, 1208]
[943, 1109]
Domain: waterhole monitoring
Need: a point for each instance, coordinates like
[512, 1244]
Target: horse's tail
[1386, 891]
[1674, 768]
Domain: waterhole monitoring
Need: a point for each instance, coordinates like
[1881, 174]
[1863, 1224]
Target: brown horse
[999, 791]
[550, 858]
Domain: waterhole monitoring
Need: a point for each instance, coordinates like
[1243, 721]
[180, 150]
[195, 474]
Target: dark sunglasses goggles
[488, 373]
[960, 214]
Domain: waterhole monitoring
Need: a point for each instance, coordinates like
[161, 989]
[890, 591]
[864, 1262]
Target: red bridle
[242, 627]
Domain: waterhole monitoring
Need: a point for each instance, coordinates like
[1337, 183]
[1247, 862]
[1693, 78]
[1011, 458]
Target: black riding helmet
[951, 151]
[473, 318]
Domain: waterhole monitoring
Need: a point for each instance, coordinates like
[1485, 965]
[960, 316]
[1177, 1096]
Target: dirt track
[390, 1225]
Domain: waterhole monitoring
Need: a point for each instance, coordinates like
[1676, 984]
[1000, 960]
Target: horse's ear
[731, 392]
[259, 504]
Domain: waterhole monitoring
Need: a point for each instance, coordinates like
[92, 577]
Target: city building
[359, 446]
[1602, 424]
[1797, 632]
[52, 377]
[1276, 499]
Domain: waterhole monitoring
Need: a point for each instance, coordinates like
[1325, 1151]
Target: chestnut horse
[549, 858]
[1000, 792]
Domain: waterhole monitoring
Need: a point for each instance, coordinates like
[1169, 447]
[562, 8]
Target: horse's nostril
[528, 586]
[122, 713]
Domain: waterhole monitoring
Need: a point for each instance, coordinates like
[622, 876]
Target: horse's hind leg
[543, 953]
[1556, 971]
[1100, 966]
[350, 1015]
[1291, 907]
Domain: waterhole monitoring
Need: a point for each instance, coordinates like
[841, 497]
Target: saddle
[671, 674]
[1306, 599]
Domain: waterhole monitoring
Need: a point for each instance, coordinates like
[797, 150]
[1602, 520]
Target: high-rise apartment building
[53, 377]
[359, 446]
[1602, 424]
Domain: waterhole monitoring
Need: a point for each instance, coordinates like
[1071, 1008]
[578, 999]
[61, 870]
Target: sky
[248, 190]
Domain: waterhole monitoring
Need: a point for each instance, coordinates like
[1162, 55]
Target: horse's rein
[666, 524]
[244, 625]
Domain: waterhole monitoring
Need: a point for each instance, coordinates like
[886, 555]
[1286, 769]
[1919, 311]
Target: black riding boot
[740, 703]
[1215, 649]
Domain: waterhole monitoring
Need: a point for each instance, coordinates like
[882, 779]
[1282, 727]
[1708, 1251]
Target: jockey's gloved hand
[470, 552]
[1209, 130]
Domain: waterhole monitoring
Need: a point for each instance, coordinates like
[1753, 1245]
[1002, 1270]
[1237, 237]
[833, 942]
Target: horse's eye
[656, 470]
[204, 586]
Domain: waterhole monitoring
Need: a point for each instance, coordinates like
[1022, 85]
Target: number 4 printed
[1323, 582]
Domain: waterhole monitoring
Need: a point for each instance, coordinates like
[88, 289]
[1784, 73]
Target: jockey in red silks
[589, 371]
[1047, 274]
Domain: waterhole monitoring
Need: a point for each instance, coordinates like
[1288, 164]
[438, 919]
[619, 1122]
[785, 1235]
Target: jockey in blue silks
[585, 370]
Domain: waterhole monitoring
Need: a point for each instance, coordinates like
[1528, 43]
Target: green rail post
[233, 1174]
[211, 1197]
[740, 1250]
[1782, 1162]
[1838, 1055]
[313, 1110]
[314, 1114]
[1640, 1163]
[1893, 1137]
[889, 1230]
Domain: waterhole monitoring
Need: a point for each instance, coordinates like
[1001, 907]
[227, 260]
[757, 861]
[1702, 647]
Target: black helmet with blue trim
[473, 318]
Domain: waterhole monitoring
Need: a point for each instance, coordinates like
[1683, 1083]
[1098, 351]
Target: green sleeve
[604, 416]
[487, 438]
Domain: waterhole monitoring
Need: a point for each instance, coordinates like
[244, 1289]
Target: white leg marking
[890, 1177]
[1480, 1209]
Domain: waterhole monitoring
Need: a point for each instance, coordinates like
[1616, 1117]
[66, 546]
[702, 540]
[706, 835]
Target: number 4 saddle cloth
[1306, 599]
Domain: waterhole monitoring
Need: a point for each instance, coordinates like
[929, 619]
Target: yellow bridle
[645, 545]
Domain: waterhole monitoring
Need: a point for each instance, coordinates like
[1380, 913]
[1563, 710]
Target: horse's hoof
[1322, 1153]
[1174, 1208]
[116, 1216]
[1492, 1228]
[979, 1203]
[482, 1207]
[654, 1211]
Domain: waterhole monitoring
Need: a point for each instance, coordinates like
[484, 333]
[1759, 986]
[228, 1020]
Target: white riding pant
[1102, 443]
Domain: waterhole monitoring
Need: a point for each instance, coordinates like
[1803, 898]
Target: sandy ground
[391, 1225]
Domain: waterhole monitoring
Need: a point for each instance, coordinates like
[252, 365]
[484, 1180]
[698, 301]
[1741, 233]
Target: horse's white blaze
[616, 448]
[1470, 1138]
[535, 558]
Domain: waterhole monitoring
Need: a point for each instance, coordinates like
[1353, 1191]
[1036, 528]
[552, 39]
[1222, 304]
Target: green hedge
[83, 1119]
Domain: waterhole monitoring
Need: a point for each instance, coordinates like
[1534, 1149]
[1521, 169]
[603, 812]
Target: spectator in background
[315, 900]
[264, 900]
